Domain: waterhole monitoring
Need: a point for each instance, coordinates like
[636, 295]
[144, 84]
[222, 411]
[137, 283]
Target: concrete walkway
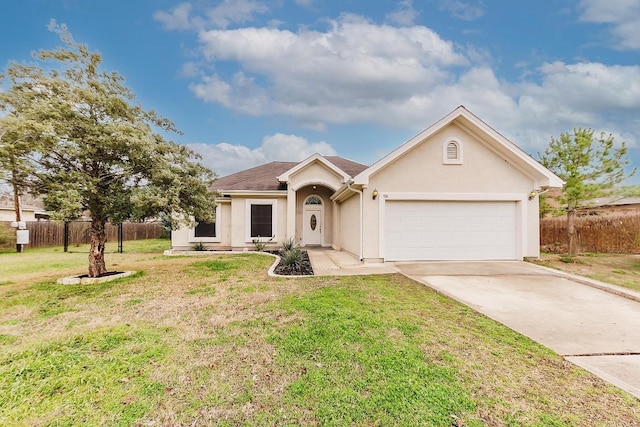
[327, 262]
[591, 324]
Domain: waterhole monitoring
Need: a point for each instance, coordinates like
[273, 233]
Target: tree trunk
[572, 242]
[98, 235]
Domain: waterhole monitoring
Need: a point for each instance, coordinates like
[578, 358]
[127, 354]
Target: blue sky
[251, 81]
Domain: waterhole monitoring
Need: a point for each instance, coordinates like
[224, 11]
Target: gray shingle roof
[265, 177]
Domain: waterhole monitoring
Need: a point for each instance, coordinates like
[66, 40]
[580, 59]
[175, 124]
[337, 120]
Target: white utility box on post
[22, 237]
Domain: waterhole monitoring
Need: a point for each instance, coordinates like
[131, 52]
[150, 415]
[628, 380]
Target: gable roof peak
[315, 157]
[467, 120]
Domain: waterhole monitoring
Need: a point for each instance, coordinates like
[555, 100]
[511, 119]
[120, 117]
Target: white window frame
[274, 219]
[192, 231]
[445, 159]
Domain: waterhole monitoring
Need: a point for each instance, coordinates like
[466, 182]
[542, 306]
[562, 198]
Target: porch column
[291, 214]
[336, 239]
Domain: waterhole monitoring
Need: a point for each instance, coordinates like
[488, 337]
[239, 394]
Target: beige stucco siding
[232, 217]
[10, 215]
[348, 237]
[181, 239]
[483, 173]
[315, 173]
[421, 169]
[224, 215]
[240, 217]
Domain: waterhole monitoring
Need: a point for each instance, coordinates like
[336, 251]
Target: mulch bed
[305, 268]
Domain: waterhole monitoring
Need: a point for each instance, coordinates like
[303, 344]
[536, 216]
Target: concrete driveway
[596, 329]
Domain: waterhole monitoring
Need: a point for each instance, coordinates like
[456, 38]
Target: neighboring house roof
[265, 177]
[611, 202]
[27, 204]
[470, 122]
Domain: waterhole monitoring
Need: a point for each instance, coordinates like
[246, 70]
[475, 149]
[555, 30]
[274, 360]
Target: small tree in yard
[590, 166]
[97, 151]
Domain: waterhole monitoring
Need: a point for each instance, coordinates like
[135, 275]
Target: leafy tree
[14, 167]
[98, 151]
[19, 136]
[590, 166]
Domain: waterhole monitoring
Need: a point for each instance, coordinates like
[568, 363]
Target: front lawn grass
[42, 261]
[214, 341]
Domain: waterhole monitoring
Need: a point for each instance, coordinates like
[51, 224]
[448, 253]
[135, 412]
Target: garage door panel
[437, 230]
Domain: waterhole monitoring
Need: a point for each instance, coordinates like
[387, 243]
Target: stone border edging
[78, 280]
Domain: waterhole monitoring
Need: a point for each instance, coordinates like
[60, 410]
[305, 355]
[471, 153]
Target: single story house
[458, 190]
[31, 209]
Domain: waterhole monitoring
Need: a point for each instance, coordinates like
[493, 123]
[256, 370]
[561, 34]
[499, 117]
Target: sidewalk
[327, 262]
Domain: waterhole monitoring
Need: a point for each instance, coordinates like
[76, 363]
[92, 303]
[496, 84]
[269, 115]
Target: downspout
[361, 215]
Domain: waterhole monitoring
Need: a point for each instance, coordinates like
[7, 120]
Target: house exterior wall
[10, 215]
[239, 218]
[326, 182]
[315, 173]
[348, 235]
[482, 173]
[232, 217]
[181, 239]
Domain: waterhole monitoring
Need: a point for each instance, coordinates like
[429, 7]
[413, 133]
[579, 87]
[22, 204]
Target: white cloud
[622, 15]
[464, 10]
[356, 71]
[350, 72]
[225, 158]
[178, 19]
[235, 12]
[190, 70]
[223, 15]
[405, 15]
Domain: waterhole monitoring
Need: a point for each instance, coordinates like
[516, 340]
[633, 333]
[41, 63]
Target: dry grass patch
[215, 341]
[617, 269]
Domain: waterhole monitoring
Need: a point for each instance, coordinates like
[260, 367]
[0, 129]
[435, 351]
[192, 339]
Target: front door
[312, 225]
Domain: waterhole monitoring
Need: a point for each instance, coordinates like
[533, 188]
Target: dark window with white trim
[261, 220]
[205, 229]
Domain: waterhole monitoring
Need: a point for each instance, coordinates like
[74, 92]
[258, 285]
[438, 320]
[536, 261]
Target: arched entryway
[313, 221]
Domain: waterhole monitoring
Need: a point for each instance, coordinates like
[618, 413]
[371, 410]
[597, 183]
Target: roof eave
[258, 193]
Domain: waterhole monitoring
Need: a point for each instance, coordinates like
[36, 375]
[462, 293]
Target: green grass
[55, 259]
[215, 341]
[353, 370]
[99, 378]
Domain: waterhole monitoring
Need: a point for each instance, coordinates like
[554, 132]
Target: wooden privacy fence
[607, 234]
[49, 233]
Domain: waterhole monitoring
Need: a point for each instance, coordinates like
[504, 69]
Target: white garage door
[435, 230]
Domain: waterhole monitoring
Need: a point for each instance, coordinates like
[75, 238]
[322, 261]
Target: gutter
[348, 183]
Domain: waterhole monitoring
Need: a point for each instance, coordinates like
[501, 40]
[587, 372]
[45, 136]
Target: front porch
[311, 215]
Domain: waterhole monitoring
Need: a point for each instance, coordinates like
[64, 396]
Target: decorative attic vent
[452, 152]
